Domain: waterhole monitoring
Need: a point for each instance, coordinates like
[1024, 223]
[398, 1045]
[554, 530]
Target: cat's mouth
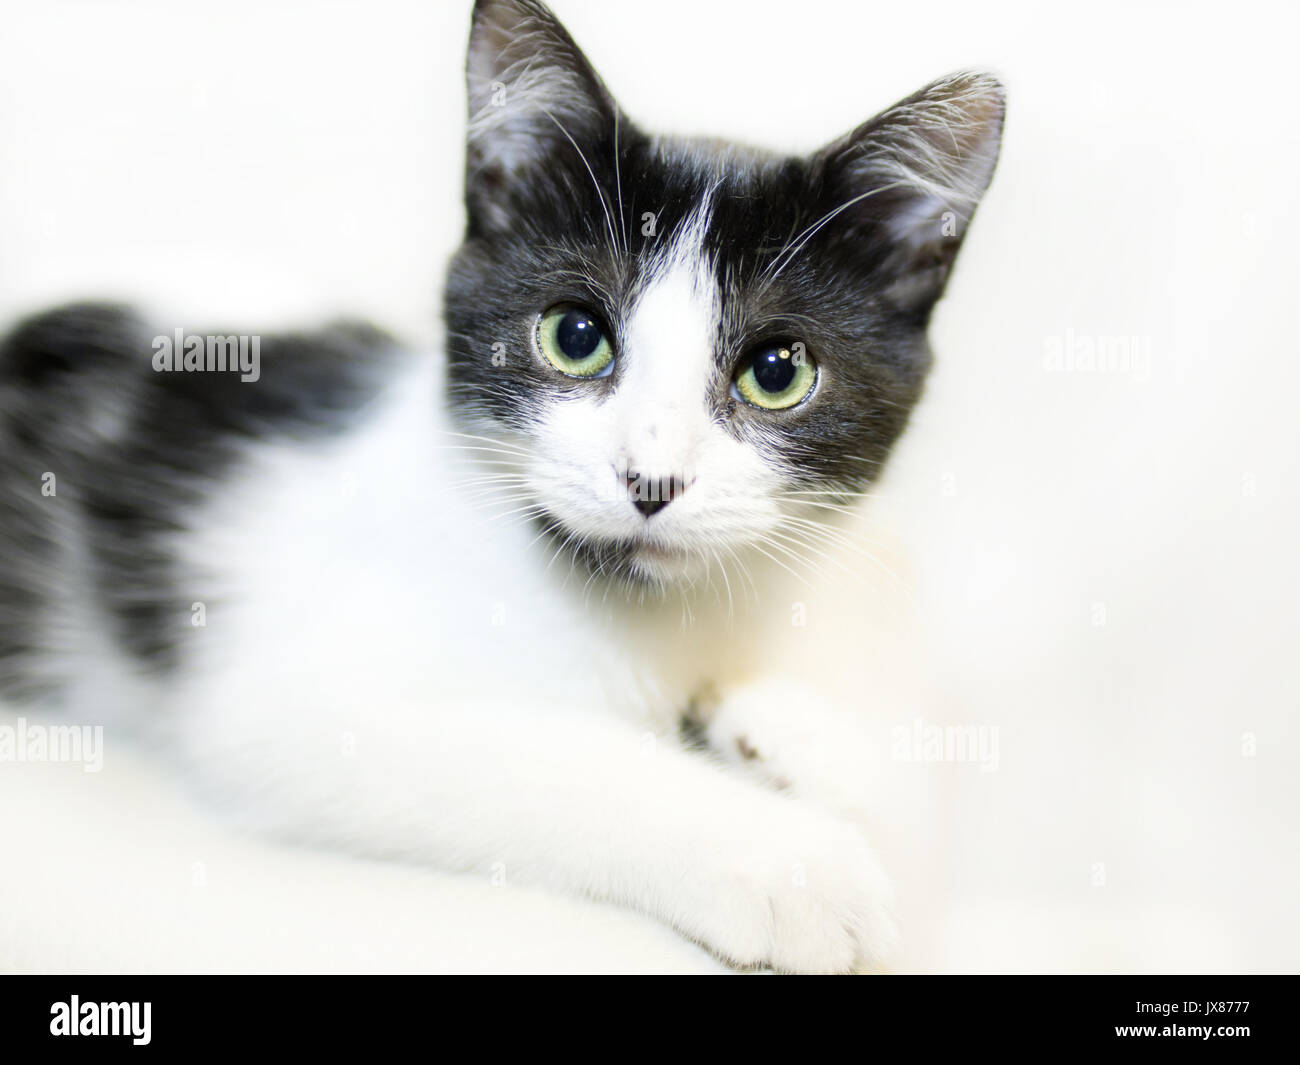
[653, 552]
[656, 563]
[631, 560]
[662, 564]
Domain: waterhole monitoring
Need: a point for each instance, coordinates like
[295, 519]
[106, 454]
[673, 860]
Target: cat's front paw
[804, 894]
[787, 736]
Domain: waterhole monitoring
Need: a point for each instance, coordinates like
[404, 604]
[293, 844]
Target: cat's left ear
[911, 179]
[534, 102]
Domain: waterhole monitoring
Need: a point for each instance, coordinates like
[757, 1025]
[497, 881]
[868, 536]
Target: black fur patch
[132, 451]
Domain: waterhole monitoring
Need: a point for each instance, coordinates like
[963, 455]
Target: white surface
[275, 159]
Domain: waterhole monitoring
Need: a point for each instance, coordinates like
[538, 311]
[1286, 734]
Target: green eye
[776, 376]
[575, 341]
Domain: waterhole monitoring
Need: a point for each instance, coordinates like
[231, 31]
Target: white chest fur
[379, 568]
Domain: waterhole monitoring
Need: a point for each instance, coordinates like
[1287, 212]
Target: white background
[1102, 563]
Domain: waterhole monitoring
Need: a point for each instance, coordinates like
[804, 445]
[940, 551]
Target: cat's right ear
[534, 102]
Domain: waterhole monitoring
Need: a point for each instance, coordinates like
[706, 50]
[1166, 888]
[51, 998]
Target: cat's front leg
[577, 801]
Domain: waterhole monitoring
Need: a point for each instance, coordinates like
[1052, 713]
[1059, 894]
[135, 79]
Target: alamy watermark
[923, 742]
[26, 741]
[123, 1019]
[195, 353]
[1086, 353]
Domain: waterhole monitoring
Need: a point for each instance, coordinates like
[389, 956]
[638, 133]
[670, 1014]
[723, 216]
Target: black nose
[650, 506]
[651, 494]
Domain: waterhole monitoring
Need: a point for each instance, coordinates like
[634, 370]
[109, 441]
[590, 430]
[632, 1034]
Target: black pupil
[577, 335]
[774, 369]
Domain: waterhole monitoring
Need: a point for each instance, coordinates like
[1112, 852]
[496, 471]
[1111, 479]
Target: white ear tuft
[913, 176]
[941, 145]
[529, 87]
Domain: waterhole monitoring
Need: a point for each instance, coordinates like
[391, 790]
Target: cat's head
[688, 348]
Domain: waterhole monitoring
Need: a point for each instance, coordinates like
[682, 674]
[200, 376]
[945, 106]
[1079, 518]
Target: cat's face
[692, 350]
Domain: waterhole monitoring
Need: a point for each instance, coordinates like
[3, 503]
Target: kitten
[451, 609]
